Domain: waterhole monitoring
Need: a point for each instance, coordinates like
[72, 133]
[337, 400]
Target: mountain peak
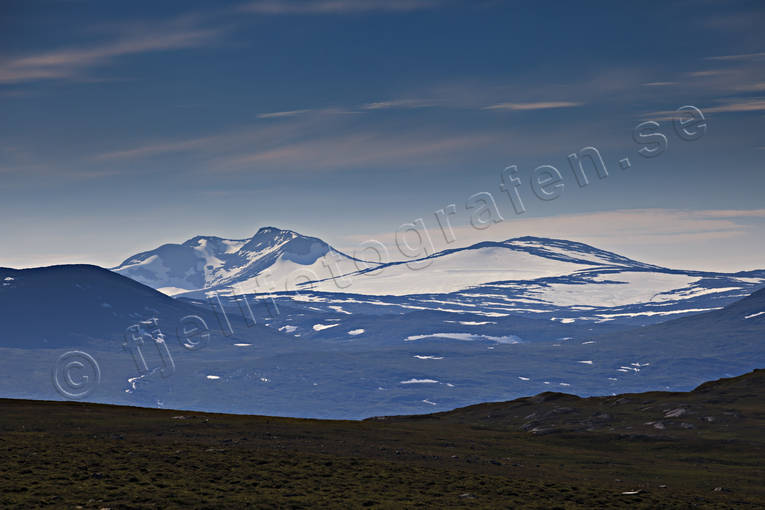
[275, 230]
[205, 262]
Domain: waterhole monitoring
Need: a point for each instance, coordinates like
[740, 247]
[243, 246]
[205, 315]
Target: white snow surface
[454, 271]
[320, 327]
[467, 337]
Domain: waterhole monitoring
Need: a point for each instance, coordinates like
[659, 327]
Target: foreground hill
[701, 449]
[88, 306]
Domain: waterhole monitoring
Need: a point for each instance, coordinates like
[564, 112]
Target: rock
[676, 413]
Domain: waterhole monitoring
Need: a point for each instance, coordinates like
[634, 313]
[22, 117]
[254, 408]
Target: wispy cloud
[71, 62]
[307, 111]
[660, 84]
[708, 72]
[337, 6]
[348, 150]
[398, 104]
[738, 106]
[743, 56]
[288, 113]
[542, 105]
[731, 213]
[727, 106]
[310, 142]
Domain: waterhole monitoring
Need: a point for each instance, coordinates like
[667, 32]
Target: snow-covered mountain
[341, 362]
[282, 258]
[544, 278]
[523, 259]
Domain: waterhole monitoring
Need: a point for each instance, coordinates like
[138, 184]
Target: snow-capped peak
[210, 262]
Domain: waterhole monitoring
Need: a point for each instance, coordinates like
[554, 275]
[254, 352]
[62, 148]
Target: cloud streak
[542, 105]
[350, 150]
[277, 115]
[740, 57]
[398, 104]
[69, 63]
[283, 7]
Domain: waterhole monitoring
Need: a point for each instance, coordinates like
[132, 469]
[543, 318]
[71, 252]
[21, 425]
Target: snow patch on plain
[466, 337]
[321, 327]
[419, 381]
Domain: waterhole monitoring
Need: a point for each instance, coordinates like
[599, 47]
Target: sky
[127, 125]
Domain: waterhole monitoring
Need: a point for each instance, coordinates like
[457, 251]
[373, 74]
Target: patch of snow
[611, 316]
[429, 402]
[213, 377]
[320, 327]
[466, 337]
[624, 288]
[419, 381]
[585, 362]
[523, 378]
[420, 356]
[754, 315]
[355, 332]
[172, 291]
[288, 329]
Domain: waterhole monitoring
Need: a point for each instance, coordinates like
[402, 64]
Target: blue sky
[127, 125]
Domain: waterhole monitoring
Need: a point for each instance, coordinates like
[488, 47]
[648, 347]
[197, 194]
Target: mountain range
[320, 359]
[550, 279]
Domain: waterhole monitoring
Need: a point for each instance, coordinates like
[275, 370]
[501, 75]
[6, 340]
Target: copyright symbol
[76, 374]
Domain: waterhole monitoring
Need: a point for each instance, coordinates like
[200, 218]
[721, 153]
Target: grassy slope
[548, 451]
